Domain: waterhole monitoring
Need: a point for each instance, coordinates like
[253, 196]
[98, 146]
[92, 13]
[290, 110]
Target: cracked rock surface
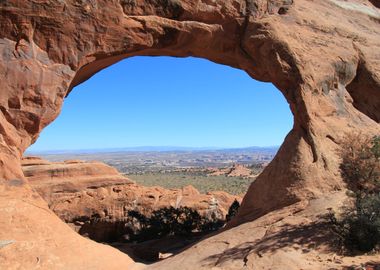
[324, 56]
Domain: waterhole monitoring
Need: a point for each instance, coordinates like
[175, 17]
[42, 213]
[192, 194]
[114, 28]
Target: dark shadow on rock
[305, 237]
[151, 251]
[372, 265]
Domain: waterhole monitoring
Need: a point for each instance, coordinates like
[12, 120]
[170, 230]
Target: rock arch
[322, 55]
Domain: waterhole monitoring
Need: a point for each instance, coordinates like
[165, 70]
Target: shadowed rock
[83, 192]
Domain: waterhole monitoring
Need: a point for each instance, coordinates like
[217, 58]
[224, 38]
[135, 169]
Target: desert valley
[105, 204]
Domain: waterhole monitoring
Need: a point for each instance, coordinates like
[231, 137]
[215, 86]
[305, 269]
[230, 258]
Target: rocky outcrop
[237, 170]
[322, 55]
[295, 237]
[81, 192]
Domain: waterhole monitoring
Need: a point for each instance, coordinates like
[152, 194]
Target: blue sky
[165, 101]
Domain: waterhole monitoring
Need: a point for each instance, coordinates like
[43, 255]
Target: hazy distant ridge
[157, 149]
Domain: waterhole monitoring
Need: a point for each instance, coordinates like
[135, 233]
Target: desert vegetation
[167, 221]
[206, 170]
[200, 180]
[182, 221]
[233, 210]
[357, 227]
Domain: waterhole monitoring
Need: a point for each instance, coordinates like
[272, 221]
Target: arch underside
[323, 57]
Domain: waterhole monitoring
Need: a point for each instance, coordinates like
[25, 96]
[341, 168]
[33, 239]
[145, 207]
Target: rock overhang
[323, 56]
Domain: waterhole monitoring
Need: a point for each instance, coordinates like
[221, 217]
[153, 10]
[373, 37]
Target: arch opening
[187, 122]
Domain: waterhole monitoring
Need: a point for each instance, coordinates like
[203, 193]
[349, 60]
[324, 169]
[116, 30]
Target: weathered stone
[78, 191]
[322, 55]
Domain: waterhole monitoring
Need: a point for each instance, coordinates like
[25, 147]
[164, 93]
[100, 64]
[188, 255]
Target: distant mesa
[237, 170]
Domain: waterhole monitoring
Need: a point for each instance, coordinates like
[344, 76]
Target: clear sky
[165, 101]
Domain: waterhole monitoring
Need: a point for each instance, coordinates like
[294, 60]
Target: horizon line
[152, 148]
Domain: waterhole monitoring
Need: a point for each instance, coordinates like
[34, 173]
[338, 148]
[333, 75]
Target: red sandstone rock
[322, 55]
[81, 193]
[237, 170]
[74, 190]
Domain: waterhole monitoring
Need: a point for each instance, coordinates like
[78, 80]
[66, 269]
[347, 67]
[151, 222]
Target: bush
[182, 221]
[360, 166]
[232, 211]
[174, 221]
[358, 228]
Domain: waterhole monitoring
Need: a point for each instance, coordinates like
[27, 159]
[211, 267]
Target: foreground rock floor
[295, 237]
[324, 56]
[291, 238]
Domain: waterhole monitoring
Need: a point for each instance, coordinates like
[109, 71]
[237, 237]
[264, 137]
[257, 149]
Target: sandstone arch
[323, 56]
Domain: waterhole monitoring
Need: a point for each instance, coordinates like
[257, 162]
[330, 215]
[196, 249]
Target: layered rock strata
[322, 55]
[83, 192]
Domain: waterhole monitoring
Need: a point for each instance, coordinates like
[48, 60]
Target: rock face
[42, 173]
[322, 55]
[80, 192]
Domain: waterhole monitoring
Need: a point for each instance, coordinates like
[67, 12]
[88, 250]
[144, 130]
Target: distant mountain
[156, 149]
[252, 149]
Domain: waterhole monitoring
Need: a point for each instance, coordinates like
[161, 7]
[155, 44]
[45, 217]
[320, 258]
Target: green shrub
[358, 227]
[360, 165]
[182, 221]
[232, 211]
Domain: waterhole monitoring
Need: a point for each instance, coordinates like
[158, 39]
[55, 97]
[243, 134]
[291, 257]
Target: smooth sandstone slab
[324, 56]
[79, 191]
